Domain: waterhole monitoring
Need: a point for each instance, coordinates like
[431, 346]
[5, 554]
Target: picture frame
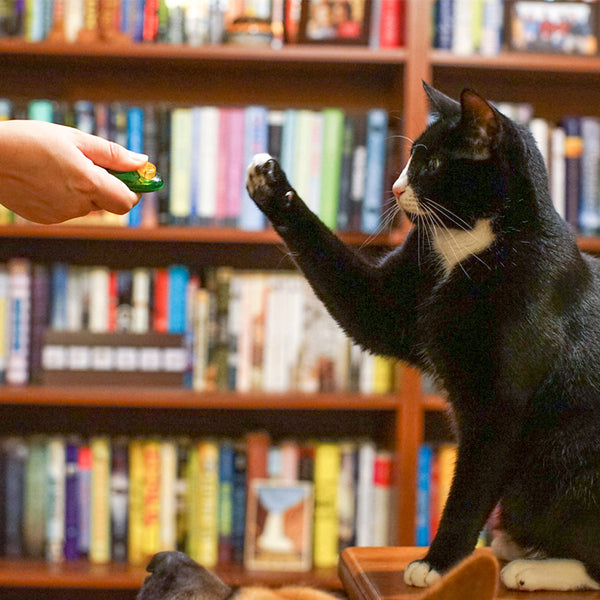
[279, 523]
[335, 22]
[558, 27]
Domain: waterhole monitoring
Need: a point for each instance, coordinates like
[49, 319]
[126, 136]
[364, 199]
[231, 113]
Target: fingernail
[137, 156]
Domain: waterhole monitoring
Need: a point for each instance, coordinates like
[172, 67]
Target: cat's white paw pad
[554, 574]
[420, 574]
[255, 175]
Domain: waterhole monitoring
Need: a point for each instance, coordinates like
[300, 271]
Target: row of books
[571, 151]
[286, 505]
[181, 22]
[234, 330]
[336, 161]
[469, 26]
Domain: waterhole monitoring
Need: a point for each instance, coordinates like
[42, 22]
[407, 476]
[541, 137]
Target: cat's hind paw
[267, 184]
[551, 574]
[420, 574]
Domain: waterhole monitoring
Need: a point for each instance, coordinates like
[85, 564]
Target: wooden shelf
[311, 53]
[85, 575]
[517, 61]
[199, 235]
[188, 399]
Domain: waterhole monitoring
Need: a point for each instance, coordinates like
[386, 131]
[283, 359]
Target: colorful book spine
[19, 290]
[119, 498]
[375, 169]
[424, 460]
[326, 516]
[55, 502]
[72, 500]
[100, 500]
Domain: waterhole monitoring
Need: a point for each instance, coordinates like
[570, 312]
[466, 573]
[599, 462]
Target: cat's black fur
[511, 333]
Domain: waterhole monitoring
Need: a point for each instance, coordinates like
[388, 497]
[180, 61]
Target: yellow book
[136, 502]
[191, 502]
[208, 503]
[151, 494]
[383, 374]
[100, 500]
[327, 464]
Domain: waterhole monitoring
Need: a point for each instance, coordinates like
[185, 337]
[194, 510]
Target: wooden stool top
[378, 574]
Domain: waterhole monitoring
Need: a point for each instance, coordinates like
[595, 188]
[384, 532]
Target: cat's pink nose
[398, 189]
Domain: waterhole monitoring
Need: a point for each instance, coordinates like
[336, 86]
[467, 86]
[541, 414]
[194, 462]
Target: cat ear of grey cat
[440, 104]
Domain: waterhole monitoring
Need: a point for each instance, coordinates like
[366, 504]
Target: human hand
[50, 173]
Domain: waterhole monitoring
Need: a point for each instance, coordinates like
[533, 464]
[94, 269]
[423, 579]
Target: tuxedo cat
[491, 296]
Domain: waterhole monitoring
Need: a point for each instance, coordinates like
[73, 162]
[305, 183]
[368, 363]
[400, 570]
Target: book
[238, 502]
[588, 218]
[333, 137]
[256, 129]
[168, 495]
[364, 493]
[423, 517]
[135, 539]
[573, 153]
[180, 199]
[19, 294]
[15, 453]
[382, 501]
[35, 514]
[72, 499]
[391, 23]
[326, 521]
[226, 476]
[375, 166]
[84, 468]
[119, 499]
[55, 499]
[208, 496]
[100, 500]
[151, 497]
[178, 278]
[347, 495]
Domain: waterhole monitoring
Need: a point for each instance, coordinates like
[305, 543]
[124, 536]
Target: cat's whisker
[386, 219]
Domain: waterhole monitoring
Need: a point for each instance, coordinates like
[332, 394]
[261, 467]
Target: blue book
[179, 277]
[135, 142]
[238, 500]
[196, 116]
[256, 140]
[377, 120]
[573, 152]
[424, 460]
[71, 549]
[444, 21]
[226, 471]
[589, 207]
[58, 317]
[16, 456]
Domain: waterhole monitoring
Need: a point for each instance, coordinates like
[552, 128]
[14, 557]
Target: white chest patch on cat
[455, 245]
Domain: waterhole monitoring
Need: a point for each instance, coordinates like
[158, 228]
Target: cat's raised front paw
[420, 574]
[267, 184]
[551, 574]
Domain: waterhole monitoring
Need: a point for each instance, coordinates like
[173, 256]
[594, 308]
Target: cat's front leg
[268, 186]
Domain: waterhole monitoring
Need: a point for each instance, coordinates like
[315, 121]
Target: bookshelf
[296, 76]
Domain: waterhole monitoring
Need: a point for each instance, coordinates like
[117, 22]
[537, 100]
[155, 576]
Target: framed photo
[567, 27]
[279, 526]
[335, 22]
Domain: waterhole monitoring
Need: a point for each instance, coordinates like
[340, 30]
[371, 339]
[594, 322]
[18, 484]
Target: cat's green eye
[434, 163]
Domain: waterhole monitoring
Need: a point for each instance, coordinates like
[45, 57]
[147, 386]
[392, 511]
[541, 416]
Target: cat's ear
[440, 104]
[479, 114]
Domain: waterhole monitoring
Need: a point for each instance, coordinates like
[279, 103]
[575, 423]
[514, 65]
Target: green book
[333, 134]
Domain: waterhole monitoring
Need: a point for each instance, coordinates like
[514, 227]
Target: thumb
[109, 154]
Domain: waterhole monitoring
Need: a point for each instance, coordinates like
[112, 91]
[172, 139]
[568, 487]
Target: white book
[381, 499]
[364, 494]
[99, 281]
[558, 173]
[168, 489]
[274, 372]
[180, 164]
[55, 499]
[207, 158]
[540, 129]
[140, 310]
[462, 35]
[75, 298]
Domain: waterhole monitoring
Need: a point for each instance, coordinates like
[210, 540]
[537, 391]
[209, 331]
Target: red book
[160, 310]
[391, 27]
[150, 29]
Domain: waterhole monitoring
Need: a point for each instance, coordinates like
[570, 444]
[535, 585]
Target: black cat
[490, 295]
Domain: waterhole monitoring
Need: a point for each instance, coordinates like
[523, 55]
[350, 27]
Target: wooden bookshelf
[297, 76]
